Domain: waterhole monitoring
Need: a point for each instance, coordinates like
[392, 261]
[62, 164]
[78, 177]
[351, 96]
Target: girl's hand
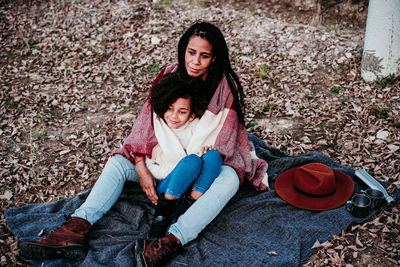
[205, 149]
[146, 180]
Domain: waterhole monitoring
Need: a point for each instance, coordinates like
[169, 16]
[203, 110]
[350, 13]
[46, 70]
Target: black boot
[183, 204]
[162, 217]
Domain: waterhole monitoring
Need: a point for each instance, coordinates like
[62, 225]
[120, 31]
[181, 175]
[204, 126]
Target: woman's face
[198, 57]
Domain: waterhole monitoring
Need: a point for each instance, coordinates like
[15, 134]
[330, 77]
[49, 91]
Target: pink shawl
[227, 135]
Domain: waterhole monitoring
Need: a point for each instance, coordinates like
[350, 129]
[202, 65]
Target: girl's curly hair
[173, 86]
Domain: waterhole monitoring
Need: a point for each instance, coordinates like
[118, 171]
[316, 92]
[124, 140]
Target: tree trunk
[381, 56]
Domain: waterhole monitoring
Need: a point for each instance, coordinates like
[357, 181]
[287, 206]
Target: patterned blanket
[251, 226]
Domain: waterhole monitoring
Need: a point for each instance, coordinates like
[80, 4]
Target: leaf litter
[74, 75]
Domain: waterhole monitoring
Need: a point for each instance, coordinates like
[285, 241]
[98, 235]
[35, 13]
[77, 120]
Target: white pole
[381, 56]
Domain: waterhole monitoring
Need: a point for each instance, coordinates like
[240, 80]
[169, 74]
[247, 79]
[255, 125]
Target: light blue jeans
[118, 170]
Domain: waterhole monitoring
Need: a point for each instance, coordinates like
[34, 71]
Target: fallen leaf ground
[74, 75]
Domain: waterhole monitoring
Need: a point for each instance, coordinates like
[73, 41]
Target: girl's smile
[178, 113]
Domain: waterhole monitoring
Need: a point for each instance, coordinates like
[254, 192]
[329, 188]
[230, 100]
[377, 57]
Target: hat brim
[284, 187]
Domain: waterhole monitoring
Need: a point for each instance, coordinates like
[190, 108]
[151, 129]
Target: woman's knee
[229, 179]
[119, 167]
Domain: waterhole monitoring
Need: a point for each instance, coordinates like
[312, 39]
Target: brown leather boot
[156, 253]
[67, 241]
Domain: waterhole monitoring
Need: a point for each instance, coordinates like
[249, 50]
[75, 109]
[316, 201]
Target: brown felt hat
[314, 186]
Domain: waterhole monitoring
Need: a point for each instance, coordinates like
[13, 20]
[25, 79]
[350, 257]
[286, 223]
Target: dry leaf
[63, 152]
[272, 253]
[393, 148]
[316, 244]
[326, 245]
[358, 242]
[336, 259]
[389, 220]
[41, 232]
[7, 195]
[331, 251]
[373, 235]
[376, 222]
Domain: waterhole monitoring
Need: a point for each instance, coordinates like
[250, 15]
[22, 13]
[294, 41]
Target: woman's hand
[146, 179]
[148, 185]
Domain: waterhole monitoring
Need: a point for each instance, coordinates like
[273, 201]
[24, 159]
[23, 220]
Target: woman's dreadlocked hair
[220, 66]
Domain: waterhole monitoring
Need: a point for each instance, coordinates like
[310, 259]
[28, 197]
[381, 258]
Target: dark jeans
[201, 171]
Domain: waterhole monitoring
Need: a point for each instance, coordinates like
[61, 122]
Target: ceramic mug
[376, 197]
[359, 205]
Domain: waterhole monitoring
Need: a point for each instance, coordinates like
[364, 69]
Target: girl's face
[198, 57]
[178, 113]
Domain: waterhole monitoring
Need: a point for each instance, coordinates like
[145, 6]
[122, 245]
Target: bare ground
[74, 75]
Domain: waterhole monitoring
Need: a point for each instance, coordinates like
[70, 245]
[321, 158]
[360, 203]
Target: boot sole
[140, 260]
[38, 252]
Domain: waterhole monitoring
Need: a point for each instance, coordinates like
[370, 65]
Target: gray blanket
[248, 229]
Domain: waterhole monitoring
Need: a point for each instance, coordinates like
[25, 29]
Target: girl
[174, 121]
[202, 53]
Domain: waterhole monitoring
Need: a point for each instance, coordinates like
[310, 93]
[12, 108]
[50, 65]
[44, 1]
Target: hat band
[314, 195]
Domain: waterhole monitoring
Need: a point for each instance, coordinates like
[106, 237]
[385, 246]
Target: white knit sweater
[171, 147]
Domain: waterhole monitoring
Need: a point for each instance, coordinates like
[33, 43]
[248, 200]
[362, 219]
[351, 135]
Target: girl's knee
[213, 156]
[194, 160]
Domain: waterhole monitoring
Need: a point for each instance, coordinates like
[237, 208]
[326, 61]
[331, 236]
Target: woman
[203, 54]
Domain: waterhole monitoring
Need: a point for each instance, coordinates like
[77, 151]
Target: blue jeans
[118, 170]
[192, 168]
